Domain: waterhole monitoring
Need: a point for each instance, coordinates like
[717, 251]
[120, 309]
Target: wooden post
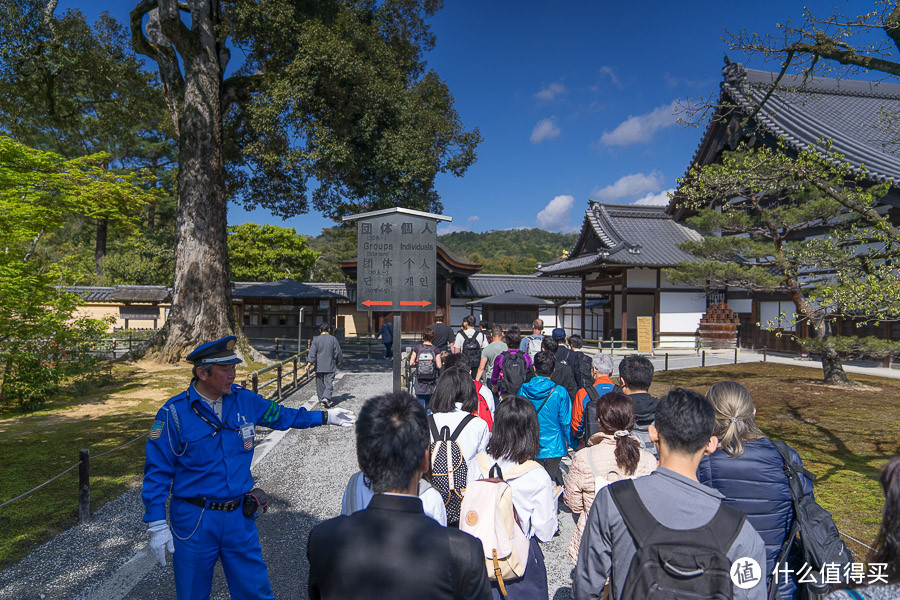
[295, 361]
[735, 356]
[84, 486]
[583, 307]
[254, 379]
[397, 347]
[667, 362]
[764, 354]
[278, 371]
[703, 359]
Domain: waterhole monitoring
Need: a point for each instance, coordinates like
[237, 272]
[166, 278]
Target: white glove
[340, 416]
[160, 540]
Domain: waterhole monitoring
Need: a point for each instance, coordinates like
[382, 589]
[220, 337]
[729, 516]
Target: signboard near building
[645, 335]
[396, 266]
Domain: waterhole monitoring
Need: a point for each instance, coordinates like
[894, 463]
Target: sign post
[396, 268]
[645, 335]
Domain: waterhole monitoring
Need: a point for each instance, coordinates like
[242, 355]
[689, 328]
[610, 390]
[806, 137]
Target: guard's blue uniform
[196, 459]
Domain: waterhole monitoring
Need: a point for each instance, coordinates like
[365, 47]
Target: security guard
[200, 447]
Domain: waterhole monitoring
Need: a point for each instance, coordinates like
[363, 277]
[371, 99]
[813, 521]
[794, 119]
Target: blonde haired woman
[749, 472]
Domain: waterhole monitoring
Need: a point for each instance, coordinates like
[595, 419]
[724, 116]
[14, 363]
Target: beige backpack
[487, 512]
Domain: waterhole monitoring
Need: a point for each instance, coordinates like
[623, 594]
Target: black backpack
[449, 472]
[471, 349]
[676, 564]
[820, 542]
[582, 368]
[590, 424]
[513, 376]
[425, 367]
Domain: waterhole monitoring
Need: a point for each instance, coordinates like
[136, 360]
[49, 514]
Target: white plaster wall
[639, 306]
[665, 283]
[680, 311]
[642, 278]
[741, 305]
[548, 316]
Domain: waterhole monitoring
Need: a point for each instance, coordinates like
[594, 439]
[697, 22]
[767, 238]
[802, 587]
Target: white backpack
[534, 345]
[487, 512]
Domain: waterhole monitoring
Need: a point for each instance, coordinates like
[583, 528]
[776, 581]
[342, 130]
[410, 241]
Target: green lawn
[38, 445]
[844, 436]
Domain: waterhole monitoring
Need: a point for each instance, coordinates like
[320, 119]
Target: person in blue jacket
[554, 410]
[199, 448]
[748, 470]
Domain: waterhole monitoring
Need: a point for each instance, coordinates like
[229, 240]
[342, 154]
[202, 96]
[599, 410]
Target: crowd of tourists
[678, 496]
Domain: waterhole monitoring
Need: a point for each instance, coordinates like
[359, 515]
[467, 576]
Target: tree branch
[238, 89]
[162, 52]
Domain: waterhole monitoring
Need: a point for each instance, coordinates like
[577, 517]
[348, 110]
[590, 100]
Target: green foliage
[77, 89]
[41, 340]
[338, 93]
[511, 251]
[268, 253]
[851, 346]
[333, 245]
[770, 207]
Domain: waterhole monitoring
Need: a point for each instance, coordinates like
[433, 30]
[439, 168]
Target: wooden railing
[298, 374]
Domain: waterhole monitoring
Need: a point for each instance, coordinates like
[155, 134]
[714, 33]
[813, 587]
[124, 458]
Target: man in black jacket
[563, 374]
[392, 549]
[636, 375]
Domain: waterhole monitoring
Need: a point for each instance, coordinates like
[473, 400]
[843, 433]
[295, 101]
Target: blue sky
[574, 100]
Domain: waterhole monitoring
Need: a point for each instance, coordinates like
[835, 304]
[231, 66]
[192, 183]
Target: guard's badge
[156, 430]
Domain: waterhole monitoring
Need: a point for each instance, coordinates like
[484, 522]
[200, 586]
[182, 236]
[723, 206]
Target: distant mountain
[513, 251]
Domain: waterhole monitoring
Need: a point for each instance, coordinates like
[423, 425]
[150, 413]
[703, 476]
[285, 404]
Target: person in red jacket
[601, 372]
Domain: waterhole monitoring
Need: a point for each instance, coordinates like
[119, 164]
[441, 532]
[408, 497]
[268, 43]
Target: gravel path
[304, 475]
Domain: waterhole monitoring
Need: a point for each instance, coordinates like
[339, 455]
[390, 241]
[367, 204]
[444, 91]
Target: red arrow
[376, 302]
[416, 303]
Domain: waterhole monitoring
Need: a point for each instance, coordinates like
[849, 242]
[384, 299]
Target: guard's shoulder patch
[156, 429]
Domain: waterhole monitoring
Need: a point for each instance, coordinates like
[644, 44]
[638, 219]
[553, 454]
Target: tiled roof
[804, 110]
[347, 290]
[488, 284]
[627, 234]
[285, 288]
[90, 293]
[140, 293]
[122, 293]
[510, 299]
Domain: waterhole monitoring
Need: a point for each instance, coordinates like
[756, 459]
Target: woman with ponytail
[749, 472]
[611, 454]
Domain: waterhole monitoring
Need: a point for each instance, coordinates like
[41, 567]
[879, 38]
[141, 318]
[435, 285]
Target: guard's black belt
[211, 505]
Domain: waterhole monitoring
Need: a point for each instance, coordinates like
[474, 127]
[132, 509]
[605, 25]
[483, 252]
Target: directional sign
[396, 269]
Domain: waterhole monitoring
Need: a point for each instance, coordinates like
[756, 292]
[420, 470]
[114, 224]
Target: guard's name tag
[248, 433]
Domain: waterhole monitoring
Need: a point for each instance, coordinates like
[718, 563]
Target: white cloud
[630, 186]
[660, 199]
[546, 129]
[445, 228]
[640, 128]
[556, 215]
[551, 92]
[608, 72]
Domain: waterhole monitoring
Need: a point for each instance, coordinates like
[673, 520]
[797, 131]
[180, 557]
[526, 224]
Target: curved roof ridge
[817, 83]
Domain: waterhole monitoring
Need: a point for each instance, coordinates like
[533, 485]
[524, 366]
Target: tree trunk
[832, 368]
[100, 246]
[201, 298]
[831, 362]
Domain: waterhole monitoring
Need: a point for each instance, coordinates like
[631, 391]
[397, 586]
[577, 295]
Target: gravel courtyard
[304, 475]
